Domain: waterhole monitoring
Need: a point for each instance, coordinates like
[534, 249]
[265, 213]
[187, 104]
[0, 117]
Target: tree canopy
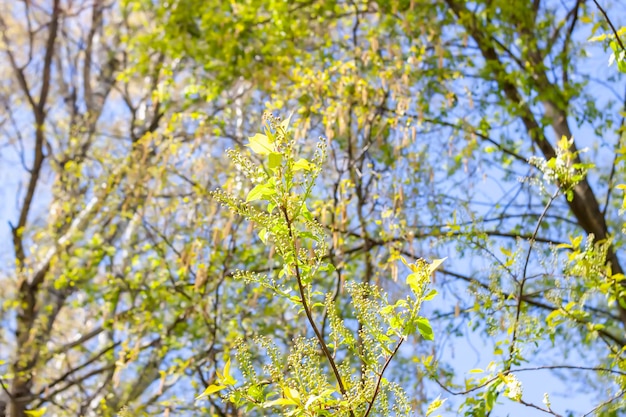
[303, 208]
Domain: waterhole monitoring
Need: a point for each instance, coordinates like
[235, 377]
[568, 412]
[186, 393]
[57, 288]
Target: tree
[475, 91]
[85, 329]
[453, 129]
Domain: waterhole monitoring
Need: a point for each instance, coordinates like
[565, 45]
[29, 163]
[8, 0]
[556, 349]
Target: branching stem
[617, 38]
[307, 308]
[380, 377]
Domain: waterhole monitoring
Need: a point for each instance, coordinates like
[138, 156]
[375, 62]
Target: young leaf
[263, 235]
[437, 402]
[285, 123]
[275, 159]
[435, 264]
[36, 413]
[425, 329]
[228, 379]
[431, 294]
[260, 191]
[211, 389]
[280, 401]
[260, 144]
[413, 280]
[303, 164]
[292, 393]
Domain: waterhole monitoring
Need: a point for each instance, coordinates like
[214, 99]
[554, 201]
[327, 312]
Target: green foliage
[476, 130]
[351, 381]
[565, 169]
[618, 54]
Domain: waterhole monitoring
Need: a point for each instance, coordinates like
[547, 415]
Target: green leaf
[211, 389]
[228, 379]
[598, 38]
[437, 402]
[260, 144]
[303, 164]
[280, 401]
[275, 160]
[435, 264]
[285, 123]
[259, 192]
[431, 294]
[425, 329]
[304, 210]
[36, 413]
[413, 281]
[550, 318]
[291, 393]
[263, 235]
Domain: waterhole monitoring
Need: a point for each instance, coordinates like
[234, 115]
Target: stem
[606, 17]
[520, 297]
[307, 309]
[380, 377]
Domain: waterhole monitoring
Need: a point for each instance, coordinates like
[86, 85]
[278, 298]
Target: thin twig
[536, 407]
[307, 309]
[520, 298]
[380, 377]
[606, 17]
[610, 400]
[617, 155]
[536, 368]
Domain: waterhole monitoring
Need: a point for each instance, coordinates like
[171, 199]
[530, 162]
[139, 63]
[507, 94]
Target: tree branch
[606, 17]
[307, 308]
[380, 377]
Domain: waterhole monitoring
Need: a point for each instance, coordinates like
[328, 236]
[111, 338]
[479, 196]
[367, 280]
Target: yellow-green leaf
[275, 159]
[228, 379]
[303, 164]
[36, 413]
[425, 329]
[438, 402]
[280, 401]
[412, 266]
[260, 144]
[211, 389]
[292, 393]
[285, 123]
[413, 281]
[435, 264]
[258, 192]
[598, 38]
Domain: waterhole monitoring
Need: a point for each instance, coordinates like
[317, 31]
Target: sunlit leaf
[259, 192]
[435, 264]
[303, 164]
[285, 123]
[424, 328]
[36, 413]
[260, 144]
[434, 405]
[280, 401]
[211, 389]
[275, 160]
